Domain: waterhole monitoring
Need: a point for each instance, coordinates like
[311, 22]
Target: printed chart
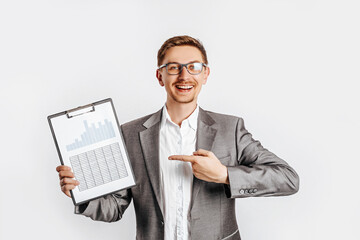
[99, 166]
[93, 135]
[89, 140]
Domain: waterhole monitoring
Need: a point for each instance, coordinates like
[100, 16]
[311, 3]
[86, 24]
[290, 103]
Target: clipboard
[89, 140]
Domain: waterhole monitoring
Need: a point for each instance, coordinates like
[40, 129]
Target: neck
[178, 112]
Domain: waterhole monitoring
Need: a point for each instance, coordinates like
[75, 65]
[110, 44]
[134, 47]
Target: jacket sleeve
[109, 208]
[259, 172]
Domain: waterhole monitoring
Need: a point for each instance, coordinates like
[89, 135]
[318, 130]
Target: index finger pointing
[183, 158]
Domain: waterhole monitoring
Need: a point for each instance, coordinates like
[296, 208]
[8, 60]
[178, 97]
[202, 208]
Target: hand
[206, 166]
[67, 182]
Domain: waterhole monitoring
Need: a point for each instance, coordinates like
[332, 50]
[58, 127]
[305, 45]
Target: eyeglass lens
[192, 68]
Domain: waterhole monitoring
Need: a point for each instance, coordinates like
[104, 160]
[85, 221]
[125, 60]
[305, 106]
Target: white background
[289, 68]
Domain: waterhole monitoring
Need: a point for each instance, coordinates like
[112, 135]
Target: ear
[159, 77]
[206, 75]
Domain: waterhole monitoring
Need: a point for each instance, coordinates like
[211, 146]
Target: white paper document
[89, 140]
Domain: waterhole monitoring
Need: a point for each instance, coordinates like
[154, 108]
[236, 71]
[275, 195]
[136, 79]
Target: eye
[173, 67]
[191, 66]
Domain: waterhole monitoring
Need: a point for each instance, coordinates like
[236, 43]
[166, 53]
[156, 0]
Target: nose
[184, 73]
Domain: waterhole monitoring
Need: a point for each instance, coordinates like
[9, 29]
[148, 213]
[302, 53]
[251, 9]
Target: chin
[184, 100]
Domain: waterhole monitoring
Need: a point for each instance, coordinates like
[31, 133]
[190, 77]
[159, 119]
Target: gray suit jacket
[253, 171]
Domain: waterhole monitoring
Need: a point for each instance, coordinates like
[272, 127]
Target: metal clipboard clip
[80, 110]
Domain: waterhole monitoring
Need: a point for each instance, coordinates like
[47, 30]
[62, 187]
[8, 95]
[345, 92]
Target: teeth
[185, 87]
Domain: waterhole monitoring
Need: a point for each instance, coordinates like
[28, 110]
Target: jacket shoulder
[135, 125]
[221, 118]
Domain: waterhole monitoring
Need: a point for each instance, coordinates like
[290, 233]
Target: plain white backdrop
[289, 68]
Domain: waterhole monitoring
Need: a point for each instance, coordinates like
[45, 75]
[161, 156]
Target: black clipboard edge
[122, 138]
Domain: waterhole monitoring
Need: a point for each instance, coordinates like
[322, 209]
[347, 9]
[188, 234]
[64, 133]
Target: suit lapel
[149, 139]
[206, 133]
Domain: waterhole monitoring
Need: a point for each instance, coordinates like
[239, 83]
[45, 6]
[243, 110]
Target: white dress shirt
[176, 176]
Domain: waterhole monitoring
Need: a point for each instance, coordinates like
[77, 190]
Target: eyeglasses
[176, 68]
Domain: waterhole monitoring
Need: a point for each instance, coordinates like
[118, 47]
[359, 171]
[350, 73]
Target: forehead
[183, 54]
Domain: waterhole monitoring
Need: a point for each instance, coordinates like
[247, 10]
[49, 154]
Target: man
[189, 164]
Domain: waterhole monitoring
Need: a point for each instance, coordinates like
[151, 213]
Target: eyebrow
[195, 61]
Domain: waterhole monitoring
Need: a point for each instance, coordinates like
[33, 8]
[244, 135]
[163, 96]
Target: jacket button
[241, 191]
[162, 223]
[254, 190]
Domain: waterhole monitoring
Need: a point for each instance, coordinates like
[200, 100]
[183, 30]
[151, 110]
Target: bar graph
[93, 134]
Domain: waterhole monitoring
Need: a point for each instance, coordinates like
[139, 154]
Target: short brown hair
[180, 41]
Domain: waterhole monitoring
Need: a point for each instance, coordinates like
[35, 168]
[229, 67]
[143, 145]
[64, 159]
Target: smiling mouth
[184, 87]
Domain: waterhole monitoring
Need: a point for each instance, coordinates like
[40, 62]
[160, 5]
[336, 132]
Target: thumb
[201, 152]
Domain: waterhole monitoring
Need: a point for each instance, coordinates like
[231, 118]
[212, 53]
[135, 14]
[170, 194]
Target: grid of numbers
[98, 166]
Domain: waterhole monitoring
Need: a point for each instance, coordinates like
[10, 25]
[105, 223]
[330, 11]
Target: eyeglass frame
[182, 66]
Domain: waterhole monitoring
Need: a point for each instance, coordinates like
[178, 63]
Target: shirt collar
[191, 120]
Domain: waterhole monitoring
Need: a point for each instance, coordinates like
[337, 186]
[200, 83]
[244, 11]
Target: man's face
[182, 88]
